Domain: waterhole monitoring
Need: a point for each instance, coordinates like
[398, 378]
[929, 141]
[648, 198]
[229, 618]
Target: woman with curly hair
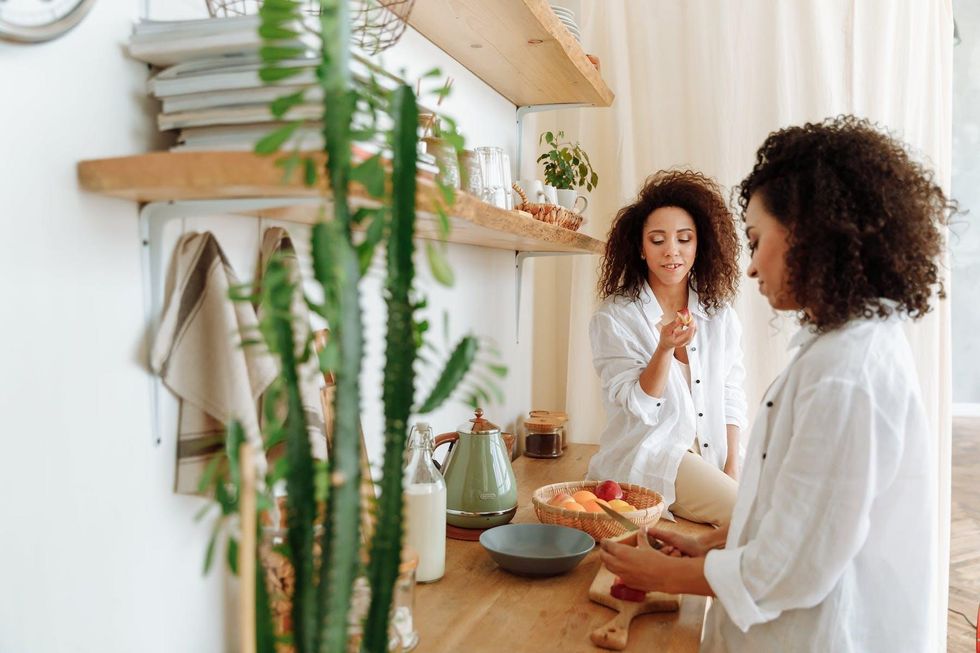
[666, 346]
[829, 547]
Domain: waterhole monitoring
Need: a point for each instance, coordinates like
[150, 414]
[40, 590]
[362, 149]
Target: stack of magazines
[207, 80]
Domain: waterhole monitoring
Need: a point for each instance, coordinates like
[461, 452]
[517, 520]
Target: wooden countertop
[479, 608]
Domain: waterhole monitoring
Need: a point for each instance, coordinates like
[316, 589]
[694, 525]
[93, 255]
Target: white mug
[569, 198]
[550, 194]
[533, 188]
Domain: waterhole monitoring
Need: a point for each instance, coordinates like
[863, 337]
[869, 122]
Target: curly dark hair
[864, 219]
[714, 275]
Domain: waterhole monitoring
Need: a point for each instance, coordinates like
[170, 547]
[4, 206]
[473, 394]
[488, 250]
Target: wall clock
[32, 21]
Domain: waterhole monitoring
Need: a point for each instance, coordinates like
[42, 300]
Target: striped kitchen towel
[276, 242]
[199, 355]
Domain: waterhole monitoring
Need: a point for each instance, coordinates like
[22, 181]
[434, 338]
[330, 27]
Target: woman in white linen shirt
[830, 547]
[673, 392]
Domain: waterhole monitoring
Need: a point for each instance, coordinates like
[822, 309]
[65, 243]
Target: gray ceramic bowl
[536, 549]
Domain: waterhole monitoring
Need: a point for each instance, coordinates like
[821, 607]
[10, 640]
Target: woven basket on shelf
[649, 506]
[550, 213]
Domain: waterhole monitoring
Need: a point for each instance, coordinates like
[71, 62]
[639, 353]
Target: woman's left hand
[731, 468]
[642, 568]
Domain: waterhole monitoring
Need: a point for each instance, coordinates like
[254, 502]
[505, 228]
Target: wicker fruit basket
[649, 504]
[550, 213]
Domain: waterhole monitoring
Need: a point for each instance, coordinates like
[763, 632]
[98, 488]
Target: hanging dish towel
[277, 242]
[199, 355]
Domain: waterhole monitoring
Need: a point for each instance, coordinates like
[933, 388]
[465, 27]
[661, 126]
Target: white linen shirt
[646, 437]
[830, 546]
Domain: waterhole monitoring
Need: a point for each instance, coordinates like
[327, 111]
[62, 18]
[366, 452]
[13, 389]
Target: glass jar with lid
[543, 438]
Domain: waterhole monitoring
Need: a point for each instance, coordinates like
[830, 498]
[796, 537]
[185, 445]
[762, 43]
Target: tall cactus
[341, 532]
[399, 375]
[324, 582]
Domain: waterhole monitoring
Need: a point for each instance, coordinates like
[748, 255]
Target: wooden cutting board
[614, 635]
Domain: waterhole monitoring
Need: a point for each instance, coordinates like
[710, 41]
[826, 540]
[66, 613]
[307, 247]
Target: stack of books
[207, 80]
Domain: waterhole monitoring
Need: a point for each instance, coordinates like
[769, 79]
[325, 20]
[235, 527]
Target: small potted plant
[567, 166]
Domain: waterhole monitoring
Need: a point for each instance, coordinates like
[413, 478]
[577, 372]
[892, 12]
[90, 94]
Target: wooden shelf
[176, 176]
[518, 47]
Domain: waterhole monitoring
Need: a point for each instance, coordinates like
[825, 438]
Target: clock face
[30, 21]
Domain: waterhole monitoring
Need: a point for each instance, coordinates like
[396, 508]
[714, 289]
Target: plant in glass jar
[566, 164]
[325, 502]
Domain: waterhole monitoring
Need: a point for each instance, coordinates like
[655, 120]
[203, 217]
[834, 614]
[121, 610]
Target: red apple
[621, 591]
[684, 315]
[609, 490]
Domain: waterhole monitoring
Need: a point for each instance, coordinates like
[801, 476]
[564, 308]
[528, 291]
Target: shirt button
[763, 456]
[694, 348]
[658, 404]
[769, 404]
[700, 414]
[697, 380]
[705, 445]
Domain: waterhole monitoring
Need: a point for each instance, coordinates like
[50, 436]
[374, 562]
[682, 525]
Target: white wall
[98, 553]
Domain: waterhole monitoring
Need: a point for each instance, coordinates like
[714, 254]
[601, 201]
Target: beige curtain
[700, 83]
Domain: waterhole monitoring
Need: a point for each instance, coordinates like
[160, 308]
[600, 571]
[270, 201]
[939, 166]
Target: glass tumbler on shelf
[492, 167]
[472, 175]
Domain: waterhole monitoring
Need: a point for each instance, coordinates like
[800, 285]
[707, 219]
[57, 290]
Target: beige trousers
[705, 494]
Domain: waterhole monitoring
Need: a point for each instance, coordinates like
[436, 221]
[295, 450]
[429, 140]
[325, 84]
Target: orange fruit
[560, 498]
[584, 495]
[592, 506]
[621, 506]
[573, 506]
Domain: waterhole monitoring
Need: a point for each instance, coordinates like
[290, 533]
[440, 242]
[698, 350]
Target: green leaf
[288, 165]
[275, 53]
[232, 555]
[445, 227]
[499, 370]
[371, 174]
[207, 478]
[438, 265]
[281, 105]
[373, 235]
[456, 367]
[309, 172]
[212, 541]
[272, 141]
[276, 74]
[274, 30]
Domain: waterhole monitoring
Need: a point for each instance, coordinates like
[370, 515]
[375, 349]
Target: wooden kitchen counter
[479, 608]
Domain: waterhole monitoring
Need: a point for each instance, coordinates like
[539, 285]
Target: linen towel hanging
[199, 355]
[277, 242]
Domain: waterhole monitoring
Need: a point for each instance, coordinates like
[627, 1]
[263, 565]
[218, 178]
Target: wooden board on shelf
[177, 176]
[518, 47]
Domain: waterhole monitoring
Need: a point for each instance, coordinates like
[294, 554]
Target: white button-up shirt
[830, 547]
[646, 437]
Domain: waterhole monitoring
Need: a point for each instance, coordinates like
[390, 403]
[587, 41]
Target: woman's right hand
[676, 334]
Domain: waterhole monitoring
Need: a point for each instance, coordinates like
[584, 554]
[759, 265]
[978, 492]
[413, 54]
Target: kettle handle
[452, 437]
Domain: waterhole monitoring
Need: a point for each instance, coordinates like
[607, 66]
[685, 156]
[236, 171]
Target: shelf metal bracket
[536, 108]
[153, 219]
[519, 258]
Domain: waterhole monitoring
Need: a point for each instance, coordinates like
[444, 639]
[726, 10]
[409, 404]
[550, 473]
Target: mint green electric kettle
[481, 490]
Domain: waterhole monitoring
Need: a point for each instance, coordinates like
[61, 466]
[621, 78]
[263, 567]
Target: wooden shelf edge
[188, 176]
[519, 48]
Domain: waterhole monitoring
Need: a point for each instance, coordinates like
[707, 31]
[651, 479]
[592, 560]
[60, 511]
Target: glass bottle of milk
[425, 505]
